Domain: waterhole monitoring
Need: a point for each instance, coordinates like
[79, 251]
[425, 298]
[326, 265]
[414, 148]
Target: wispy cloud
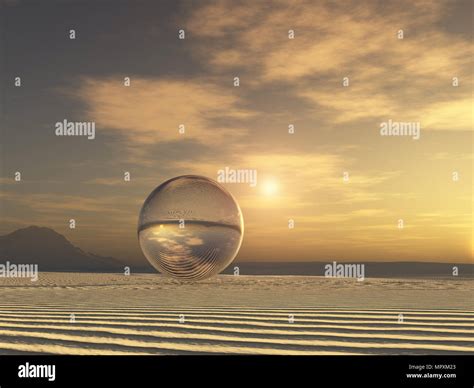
[408, 79]
[152, 109]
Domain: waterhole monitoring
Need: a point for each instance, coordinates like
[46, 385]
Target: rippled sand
[150, 314]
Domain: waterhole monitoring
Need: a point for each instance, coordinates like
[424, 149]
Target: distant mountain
[52, 252]
[372, 269]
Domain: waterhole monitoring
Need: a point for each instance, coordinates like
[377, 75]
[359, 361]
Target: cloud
[69, 205]
[305, 180]
[151, 110]
[408, 79]
[449, 115]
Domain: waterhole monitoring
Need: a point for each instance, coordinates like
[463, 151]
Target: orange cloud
[408, 79]
[151, 110]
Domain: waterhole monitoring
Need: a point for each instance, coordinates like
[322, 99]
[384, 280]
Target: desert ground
[90, 313]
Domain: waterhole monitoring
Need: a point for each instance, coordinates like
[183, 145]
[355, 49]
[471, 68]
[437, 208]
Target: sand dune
[149, 314]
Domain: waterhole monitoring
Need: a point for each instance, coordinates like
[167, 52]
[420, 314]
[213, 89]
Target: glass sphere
[190, 228]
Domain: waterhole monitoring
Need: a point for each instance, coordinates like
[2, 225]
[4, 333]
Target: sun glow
[269, 188]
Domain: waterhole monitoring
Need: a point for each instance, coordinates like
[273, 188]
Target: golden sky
[282, 81]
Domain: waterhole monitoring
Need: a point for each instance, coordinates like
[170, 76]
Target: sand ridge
[80, 313]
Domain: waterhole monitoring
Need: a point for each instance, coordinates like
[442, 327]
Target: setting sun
[269, 188]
